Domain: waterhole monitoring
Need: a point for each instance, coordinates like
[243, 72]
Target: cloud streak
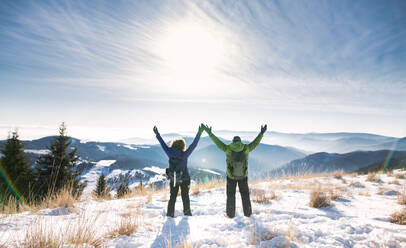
[341, 56]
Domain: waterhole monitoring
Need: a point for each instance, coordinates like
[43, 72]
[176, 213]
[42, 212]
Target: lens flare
[13, 189]
[389, 156]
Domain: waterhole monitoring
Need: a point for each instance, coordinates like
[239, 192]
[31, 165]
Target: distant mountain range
[290, 156]
[329, 162]
[133, 161]
[310, 142]
[329, 142]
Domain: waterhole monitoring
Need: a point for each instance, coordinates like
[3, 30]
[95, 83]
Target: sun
[191, 51]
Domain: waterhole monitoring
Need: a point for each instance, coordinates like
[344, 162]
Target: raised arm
[216, 140]
[195, 141]
[257, 140]
[161, 141]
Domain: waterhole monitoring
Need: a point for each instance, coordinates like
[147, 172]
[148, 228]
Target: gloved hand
[207, 128]
[156, 131]
[201, 128]
[263, 129]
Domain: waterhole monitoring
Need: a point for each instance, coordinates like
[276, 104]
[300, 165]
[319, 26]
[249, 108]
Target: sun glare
[191, 52]
[190, 48]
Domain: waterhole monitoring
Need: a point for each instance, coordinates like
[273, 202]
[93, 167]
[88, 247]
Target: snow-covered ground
[359, 219]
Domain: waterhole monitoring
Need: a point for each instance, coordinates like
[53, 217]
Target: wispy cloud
[341, 56]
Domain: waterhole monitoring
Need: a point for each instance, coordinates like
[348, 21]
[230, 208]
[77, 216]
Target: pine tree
[16, 167]
[57, 169]
[102, 189]
[123, 189]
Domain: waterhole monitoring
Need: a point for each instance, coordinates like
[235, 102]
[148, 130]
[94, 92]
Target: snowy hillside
[359, 217]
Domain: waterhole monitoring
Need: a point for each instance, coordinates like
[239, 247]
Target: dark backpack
[176, 170]
[238, 164]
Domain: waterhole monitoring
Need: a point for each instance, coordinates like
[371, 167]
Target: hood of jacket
[236, 146]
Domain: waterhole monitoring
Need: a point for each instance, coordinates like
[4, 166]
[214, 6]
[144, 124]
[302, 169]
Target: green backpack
[238, 164]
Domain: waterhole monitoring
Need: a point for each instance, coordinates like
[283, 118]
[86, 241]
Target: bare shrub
[399, 217]
[318, 198]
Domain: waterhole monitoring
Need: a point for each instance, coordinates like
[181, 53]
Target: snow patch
[155, 169]
[101, 148]
[39, 152]
[130, 147]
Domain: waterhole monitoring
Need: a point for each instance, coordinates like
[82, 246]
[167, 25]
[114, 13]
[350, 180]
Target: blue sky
[113, 69]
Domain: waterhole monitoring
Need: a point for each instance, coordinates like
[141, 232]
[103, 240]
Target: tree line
[51, 172]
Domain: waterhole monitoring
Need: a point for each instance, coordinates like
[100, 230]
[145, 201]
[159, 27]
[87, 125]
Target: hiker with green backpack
[237, 169]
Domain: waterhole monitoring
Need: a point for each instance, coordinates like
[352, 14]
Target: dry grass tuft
[394, 182]
[195, 189]
[365, 193]
[402, 196]
[185, 244]
[201, 187]
[372, 177]
[12, 206]
[338, 174]
[128, 225]
[82, 232]
[133, 205]
[399, 217]
[380, 191]
[389, 173]
[318, 198]
[38, 236]
[258, 235]
[149, 197]
[260, 196]
[400, 176]
[356, 184]
[63, 198]
[335, 194]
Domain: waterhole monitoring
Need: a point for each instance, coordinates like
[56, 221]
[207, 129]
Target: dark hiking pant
[245, 196]
[184, 188]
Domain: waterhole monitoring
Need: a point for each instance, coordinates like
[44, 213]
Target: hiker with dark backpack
[237, 169]
[177, 172]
